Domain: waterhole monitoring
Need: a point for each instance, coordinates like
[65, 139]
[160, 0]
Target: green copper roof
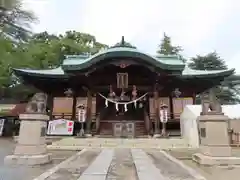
[48, 73]
[164, 62]
[121, 50]
[59, 72]
[188, 72]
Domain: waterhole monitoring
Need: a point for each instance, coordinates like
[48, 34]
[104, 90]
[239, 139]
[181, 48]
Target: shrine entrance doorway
[124, 129]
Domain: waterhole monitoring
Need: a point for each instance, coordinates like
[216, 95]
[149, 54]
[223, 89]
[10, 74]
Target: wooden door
[117, 129]
[130, 130]
[126, 129]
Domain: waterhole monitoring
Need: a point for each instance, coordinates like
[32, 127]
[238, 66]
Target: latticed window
[122, 80]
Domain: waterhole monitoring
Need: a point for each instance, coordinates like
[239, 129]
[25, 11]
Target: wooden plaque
[62, 105]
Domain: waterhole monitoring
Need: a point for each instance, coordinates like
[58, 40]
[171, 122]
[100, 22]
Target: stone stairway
[140, 129]
[106, 129]
[73, 143]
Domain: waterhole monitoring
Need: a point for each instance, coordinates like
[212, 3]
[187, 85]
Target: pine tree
[211, 61]
[166, 47]
[227, 93]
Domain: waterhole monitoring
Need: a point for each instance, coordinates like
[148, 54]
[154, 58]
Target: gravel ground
[25, 172]
[210, 173]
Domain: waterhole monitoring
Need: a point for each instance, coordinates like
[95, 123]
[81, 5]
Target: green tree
[211, 61]
[166, 47]
[14, 21]
[43, 50]
[40, 51]
[74, 42]
[227, 93]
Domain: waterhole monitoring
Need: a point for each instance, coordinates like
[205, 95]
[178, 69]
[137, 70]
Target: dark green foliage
[227, 93]
[166, 47]
[211, 61]
[14, 21]
[40, 51]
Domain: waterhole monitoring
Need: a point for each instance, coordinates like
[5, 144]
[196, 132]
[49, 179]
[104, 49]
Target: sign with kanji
[60, 127]
[122, 80]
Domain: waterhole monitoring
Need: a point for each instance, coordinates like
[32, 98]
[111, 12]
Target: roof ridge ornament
[123, 43]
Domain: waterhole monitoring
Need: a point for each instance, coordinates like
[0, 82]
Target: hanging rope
[124, 103]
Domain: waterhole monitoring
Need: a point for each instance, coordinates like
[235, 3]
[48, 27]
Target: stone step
[76, 143]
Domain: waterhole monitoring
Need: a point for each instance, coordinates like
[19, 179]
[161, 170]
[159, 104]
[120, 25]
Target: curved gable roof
[163, 62]
[186, 73]
[81, 62]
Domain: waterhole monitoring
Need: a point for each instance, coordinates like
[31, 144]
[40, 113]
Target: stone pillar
[89, 114]
[214, 136]
[31, 148]
[156, 107]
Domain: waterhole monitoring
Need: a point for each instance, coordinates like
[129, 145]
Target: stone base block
[88, 135]
[156, 135]
[216, 151]
[30, 150]
[215, 160]
[28, 159]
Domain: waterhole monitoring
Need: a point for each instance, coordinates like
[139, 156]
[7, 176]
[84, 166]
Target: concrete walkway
[121, 164]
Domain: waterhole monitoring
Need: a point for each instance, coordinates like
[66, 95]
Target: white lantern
[81, 114]
[163, 113]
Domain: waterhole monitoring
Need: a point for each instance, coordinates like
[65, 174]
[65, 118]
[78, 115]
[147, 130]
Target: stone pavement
[7, 146]
[121, 164]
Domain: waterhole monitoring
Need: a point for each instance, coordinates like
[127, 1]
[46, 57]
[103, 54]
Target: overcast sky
[199, 26]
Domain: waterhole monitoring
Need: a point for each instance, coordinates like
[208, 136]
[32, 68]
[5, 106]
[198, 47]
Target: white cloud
[197, 25]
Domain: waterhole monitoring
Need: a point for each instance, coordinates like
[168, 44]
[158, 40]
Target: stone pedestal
[214, 141]
[88, 135]
[157, 135]
[31, 148]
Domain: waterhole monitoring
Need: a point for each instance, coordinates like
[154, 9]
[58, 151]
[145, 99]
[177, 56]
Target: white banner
[60, 127]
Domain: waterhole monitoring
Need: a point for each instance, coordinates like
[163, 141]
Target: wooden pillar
[194, 97]
[89, 112]
[50, 99]
[171, 106]
[74, 106]
[156, 107]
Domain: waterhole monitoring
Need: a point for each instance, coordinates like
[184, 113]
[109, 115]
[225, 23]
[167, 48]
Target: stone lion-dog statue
[38, 104]
[210, 101]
